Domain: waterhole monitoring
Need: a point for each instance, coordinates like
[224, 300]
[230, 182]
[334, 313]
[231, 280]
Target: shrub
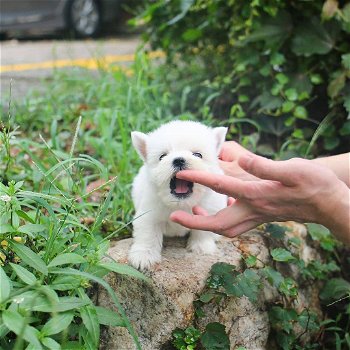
[274, 70]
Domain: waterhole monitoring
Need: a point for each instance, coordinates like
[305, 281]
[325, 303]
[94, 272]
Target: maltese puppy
[156, 192]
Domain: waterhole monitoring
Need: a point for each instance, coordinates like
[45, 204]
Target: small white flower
[18, 300]
[5, 198]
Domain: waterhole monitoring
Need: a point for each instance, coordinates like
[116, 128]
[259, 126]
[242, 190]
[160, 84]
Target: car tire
[84, 18]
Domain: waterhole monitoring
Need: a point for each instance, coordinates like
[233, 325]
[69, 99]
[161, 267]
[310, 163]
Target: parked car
[84, 18]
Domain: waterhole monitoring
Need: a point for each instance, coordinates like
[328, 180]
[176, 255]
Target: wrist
[334, 212]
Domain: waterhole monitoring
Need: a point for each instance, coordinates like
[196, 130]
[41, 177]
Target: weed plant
[64, 193]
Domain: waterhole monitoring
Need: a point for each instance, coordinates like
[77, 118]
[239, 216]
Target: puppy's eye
[197, 154]
[162, 156]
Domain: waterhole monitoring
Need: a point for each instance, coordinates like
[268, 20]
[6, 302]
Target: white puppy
[156, 192]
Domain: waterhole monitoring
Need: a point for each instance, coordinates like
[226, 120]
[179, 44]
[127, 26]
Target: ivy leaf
[274, 277]
[335, 289]
[276, 231]
[345, 60]
[250, 260]
[248, 284]
[282, 318]
[215, 337]
[322, 235]
[314, 38]
[281, 254]
[273, 30]
[291, 94]
[300, 112]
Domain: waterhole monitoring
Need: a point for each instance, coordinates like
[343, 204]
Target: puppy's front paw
[143, 259]
[206, 246]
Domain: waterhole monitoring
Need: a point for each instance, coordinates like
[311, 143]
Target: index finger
[219, 183]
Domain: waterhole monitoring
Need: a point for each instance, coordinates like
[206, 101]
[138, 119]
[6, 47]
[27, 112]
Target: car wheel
[84, 17]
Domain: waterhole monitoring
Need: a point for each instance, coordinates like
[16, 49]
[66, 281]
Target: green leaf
[29, 229]
[248, 283]
[123, 269]
[207, 297]
[5, 286]
[26, 276]
[345, 129]
[25, 216]
[57, 323]
[70, 303]
[345, 60]
[331, 142]
[313, 37]
[72, 345]
[29, 257]
[6, 228]
[291, 94]
[274, 277]
[287, 106]
[300, 112]
[37, 300]
[250, 260]
[51, 344]
[215, 337]
[281, 254]
[73, 272]
[16, 323]
[109, 317]
[322, 235]
[67, 258]
[90, 320]
[335, 289]
[282, 78]
[273, 30]
[336, 84]
[316, 79]
[276, 231]
[288, 287]
[65, 283]
[191, 34]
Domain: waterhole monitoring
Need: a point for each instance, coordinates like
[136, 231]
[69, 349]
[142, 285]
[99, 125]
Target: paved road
[28, 63]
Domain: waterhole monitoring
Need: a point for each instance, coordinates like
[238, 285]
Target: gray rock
[156, 309]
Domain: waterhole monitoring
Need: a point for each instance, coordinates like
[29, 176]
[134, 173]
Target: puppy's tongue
[181, 186]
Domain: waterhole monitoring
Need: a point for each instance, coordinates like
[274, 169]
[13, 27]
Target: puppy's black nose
[179, 163]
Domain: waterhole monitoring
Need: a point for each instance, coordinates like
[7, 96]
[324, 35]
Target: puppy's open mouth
[180, 188]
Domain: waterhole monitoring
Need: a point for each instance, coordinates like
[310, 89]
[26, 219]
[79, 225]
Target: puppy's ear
[219, 134]
[139, 140]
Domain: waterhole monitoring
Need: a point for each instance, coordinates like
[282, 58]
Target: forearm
[335, 214]
[339, 164]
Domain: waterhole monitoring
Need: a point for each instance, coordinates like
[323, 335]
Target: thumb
[267, 169]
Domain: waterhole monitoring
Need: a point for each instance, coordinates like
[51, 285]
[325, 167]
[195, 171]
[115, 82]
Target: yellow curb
[90, 63]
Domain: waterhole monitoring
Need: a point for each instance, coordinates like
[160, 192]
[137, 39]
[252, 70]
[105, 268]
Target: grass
[66, 167]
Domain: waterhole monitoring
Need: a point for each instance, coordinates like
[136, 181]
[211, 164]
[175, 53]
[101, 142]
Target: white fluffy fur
[151, 192]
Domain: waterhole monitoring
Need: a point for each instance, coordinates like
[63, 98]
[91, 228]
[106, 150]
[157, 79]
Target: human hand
[230, 152]
[296, 189]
